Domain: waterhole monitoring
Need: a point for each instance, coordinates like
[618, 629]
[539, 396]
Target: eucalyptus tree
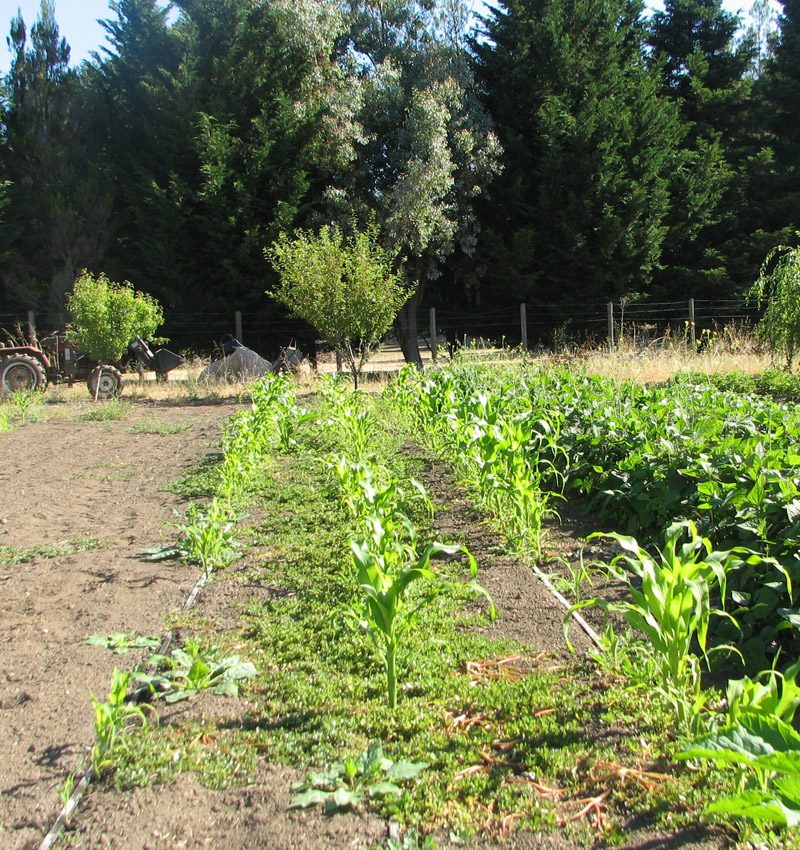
[579, 213]
[426, 147]
[58, 205]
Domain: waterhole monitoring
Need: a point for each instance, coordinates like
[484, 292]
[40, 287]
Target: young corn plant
[209, 538]
[362, 493]
[388, 564]
[670, 605]
[111, 719]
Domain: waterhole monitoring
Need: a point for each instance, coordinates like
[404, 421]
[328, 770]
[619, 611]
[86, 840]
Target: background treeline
[561, 152]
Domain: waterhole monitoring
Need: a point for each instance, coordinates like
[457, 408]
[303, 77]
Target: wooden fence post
[434, 340]
[610, 308]
[692, 325]
[31, 327]
[523, 321]
[237, 319]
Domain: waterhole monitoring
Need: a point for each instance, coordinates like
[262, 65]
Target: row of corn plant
[393, 567]
[504, 449]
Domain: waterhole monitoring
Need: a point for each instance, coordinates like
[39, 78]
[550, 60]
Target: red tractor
[55, 361]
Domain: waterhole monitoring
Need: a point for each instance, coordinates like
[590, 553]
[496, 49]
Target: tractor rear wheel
[21, 373]
[104, 382]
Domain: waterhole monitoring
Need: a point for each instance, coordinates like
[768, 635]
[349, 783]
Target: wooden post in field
[610, 308]
[237, 318]
[692, 325]
[434, 340]
[523, 323]
[31, 327]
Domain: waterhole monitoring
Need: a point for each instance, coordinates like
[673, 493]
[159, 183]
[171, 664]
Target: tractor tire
[21, 373]
[104, 382]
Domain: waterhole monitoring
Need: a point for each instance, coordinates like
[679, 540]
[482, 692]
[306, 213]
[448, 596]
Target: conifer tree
[578, 214]
[56, 216]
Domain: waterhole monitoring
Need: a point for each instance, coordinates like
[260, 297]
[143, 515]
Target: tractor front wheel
[21, 373]
[104, 382]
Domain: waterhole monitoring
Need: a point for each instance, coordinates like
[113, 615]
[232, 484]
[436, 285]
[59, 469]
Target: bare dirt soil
[93, 493]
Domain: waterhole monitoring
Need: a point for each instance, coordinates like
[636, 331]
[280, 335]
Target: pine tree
[56, 218]
[779, 87]
[578, 214]
[218, 125]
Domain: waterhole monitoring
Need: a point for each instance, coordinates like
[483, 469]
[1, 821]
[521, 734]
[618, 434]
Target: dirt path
[90, 491]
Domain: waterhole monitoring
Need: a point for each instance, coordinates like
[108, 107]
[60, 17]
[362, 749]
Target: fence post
[434, 341]
[237, 319]
[31, 327]
[523, 322]
[610, 308]
[692, 325]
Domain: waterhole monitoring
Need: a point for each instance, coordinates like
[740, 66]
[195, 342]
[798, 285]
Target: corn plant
[26, 402]
[363, 494]
[209, 538]
[111, 718]
[387, 566]
[671, 606]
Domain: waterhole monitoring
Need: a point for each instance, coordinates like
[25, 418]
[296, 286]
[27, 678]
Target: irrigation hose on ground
[72, 803]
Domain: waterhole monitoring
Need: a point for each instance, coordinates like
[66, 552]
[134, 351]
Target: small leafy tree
[778, 287]
[108, 316]
[342, 285]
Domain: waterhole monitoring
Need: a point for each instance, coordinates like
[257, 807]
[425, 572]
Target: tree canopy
[563, 153]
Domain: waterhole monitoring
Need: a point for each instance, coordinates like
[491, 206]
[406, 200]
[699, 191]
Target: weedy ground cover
[522, 744]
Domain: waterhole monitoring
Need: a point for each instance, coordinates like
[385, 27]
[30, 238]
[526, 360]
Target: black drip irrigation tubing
[72, 803]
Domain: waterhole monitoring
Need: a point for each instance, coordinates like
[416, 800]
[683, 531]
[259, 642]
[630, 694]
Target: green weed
[111, 410]
[11, 555]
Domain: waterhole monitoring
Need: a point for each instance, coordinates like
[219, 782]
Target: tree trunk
[406, 325]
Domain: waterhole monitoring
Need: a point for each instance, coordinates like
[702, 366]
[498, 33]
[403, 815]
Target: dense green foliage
[644, 457]
[342, 285]
[108, 316]
[570, 153]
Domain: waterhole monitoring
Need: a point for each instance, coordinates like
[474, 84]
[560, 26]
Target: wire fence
[534, 326]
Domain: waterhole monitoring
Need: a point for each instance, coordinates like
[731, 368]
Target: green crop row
[643, 458]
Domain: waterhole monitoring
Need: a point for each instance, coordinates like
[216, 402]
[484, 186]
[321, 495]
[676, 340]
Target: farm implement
[55, 360]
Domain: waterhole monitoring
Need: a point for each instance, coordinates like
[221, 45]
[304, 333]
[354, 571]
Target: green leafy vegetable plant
[766, 752]
[193, 669]
[122, 642]
[346, 784]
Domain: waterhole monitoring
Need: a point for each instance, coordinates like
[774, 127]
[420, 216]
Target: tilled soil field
[81, 502]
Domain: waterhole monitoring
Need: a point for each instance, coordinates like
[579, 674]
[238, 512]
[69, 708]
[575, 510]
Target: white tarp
[242, 364]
